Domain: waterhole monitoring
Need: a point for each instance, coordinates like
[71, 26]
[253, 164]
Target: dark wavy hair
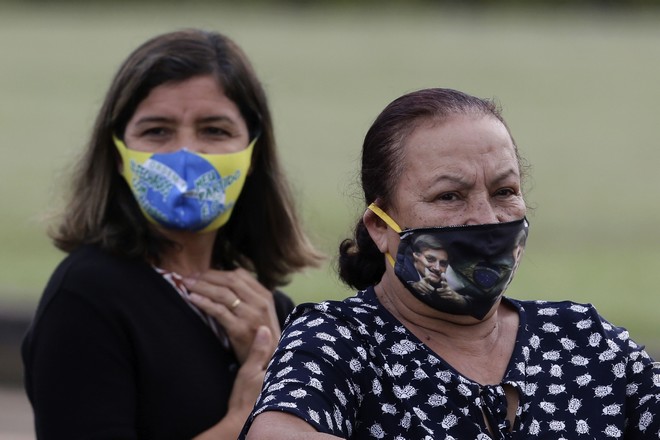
[360, 262]
[263, 234]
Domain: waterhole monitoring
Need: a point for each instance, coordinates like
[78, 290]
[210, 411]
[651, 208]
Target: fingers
[239, 281]
[222, 313]
[251, 374]
[423, 287]
[261, 349]
[239, 303]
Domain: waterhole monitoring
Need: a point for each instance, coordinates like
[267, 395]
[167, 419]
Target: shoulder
[355, 310]
[555, 310]
[573, 325]
[559, 316]
[90, 264]
[92, 275]
[354, 322]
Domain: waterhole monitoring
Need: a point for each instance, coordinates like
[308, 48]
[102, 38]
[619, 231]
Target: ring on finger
[235, 303]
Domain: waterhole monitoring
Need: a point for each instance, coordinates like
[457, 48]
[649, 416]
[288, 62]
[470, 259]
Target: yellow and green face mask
[183, 190]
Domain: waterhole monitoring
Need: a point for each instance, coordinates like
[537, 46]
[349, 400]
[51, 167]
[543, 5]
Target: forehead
[195, 91]
[461, 144]
[434, 252]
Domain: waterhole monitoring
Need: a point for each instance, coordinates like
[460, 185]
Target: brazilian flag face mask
[183, 190]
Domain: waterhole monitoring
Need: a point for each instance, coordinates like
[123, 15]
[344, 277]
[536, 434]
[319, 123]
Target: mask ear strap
[391, 223]
[384, 217]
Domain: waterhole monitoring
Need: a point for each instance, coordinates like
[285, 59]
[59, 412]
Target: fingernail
[262, 334]
[189, 281]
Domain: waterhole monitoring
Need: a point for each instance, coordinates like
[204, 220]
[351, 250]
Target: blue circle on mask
[179, 190]
[486, 276]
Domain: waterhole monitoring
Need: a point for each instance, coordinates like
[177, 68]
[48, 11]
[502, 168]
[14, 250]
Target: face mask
[183, 190]
[462, 270]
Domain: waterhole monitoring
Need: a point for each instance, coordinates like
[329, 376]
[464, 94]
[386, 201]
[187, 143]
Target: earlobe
[377, 230]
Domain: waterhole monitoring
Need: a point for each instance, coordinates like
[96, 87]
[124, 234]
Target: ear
[377, 230]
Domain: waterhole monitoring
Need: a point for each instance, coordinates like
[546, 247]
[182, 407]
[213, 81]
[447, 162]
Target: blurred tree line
[309, 3]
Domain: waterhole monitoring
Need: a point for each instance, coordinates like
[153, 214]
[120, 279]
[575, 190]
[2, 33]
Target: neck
[192, 255]
[438, 328]
[478, 349]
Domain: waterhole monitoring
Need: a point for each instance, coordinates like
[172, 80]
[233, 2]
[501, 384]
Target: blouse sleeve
[643, 385]
[643, 394]
[313, 373]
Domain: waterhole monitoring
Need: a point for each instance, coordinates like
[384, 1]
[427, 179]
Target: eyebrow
[460, 178]
[166, 119]
[506, 174]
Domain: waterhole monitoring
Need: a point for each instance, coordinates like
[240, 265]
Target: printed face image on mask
[462, 270]
[430, 262]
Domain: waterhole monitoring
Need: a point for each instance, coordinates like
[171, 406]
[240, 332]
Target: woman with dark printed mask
[180, 226]
[449, 359]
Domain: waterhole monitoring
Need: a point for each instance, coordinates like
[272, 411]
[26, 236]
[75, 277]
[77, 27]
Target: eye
[215, 131]
[155, 132]
[448, 197]
[506, 192]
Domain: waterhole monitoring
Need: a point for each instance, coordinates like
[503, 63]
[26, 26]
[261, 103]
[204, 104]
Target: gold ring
[235, 304]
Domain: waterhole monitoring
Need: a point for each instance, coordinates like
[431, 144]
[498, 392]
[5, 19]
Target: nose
[188, 140]
[480, 211]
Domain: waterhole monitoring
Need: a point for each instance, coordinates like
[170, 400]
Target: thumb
[261, 349]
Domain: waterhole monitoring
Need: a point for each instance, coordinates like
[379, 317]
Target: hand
[246, 389]
[423, 286]
[449, 294]
[239, 303]
[250, 376]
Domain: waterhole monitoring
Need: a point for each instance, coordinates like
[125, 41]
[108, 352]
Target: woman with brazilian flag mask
[179, 228]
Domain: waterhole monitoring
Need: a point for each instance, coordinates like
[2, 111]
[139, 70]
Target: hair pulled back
[361, 264]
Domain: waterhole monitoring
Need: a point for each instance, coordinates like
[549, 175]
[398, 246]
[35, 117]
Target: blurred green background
[580, 89]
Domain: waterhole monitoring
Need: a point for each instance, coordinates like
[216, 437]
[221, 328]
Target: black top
[114, 352]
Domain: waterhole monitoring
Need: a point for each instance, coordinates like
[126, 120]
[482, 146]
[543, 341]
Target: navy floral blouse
[350, 369]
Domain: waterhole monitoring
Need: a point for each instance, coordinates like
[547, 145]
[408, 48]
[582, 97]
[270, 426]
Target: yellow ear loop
[391, 223]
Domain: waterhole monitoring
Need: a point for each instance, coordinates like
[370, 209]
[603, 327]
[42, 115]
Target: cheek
[515, 209]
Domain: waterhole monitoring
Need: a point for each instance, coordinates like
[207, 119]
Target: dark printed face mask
[462, 270]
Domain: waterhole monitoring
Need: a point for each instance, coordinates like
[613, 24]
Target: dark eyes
[452, 196]
[215, 131]
[506, 192]
[448, 197]
[208, 131]
[155, 131]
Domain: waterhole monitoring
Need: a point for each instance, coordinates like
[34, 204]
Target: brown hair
[360, 262]
[263, 233]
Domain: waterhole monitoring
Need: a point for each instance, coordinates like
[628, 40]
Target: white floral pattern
[350, 369]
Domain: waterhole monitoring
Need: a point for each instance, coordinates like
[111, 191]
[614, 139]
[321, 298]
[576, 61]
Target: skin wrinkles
[461, 172]
[434, 191]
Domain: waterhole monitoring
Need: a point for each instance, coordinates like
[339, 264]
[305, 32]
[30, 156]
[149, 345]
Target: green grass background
[580, 90]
